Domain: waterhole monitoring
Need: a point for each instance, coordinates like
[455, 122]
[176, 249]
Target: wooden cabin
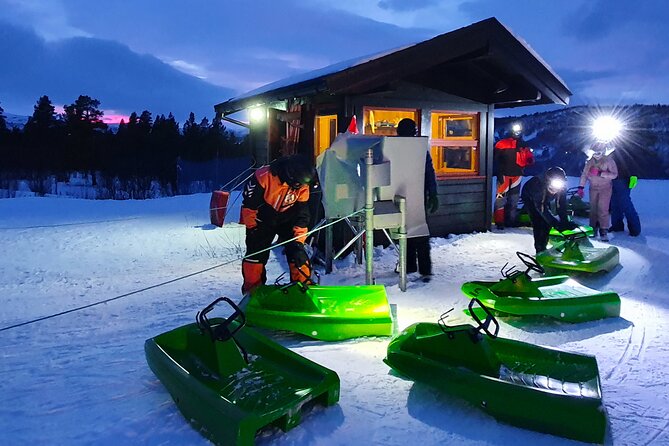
[450, 85]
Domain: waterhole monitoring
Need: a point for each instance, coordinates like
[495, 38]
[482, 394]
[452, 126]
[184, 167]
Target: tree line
[144, 147]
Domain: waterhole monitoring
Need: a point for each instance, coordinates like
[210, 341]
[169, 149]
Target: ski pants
[622, 207]
[259, 239]
[600, 200]
[540, 230]
[506, 201]
[418, 249]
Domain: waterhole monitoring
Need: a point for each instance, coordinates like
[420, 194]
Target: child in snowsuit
[276, 203]
[599, 170]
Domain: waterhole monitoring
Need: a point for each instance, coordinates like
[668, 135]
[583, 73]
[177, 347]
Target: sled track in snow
[636, 345]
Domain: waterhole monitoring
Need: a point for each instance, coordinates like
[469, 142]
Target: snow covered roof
[483, 62]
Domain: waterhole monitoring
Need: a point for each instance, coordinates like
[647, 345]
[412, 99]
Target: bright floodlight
[516, 128]
[256, 114]
[606, 128]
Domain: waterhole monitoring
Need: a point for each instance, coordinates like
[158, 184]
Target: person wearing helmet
[275, 202]
[599, 170]
[510, 157]
[537, 194]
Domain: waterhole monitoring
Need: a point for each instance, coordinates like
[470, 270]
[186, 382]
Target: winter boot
[603, 235]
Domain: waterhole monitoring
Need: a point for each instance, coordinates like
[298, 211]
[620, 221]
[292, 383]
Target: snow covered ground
[81, 378]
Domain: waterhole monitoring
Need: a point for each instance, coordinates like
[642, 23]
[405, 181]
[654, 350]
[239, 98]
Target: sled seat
[230, 390]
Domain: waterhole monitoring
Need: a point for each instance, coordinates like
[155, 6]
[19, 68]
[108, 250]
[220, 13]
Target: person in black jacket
[418, 248]
[537, 195]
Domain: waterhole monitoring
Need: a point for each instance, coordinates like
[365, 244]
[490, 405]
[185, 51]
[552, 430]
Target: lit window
[454, 143]
[383, 121]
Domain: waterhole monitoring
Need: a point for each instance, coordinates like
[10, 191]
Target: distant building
[450, 85]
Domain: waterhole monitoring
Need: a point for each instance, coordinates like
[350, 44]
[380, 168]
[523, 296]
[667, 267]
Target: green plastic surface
[228, 399]
[526, 385]
[582, 232]
[559, 297]
[327, 313]
[579, 255]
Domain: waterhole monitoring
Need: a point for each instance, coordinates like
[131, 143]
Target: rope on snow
[167, 282]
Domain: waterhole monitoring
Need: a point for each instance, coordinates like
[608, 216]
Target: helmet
[406, 127]
[556, 180]
[294, 170]
[516, 130]
[598, 150]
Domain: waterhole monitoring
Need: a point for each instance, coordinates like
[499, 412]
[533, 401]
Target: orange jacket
[267, 199]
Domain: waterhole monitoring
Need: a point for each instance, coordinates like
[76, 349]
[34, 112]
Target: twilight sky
[181, 56]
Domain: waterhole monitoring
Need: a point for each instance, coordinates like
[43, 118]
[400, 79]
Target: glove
[633, 181]
[594, 171]
[296, 254]
[432, 204]
[580, 192]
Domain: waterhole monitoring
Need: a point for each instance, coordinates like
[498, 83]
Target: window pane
[383, 121]
[454, 143]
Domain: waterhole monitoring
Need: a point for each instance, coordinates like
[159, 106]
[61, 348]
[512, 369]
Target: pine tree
[85, 131]
[85, 113]
[43, 118]
[44, 138]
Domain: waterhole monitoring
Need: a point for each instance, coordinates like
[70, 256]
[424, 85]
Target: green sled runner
[522, 384]
[327, 313]
[229, 381]
[559, 297]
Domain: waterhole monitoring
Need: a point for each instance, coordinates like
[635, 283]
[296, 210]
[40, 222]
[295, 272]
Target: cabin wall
[465, 201]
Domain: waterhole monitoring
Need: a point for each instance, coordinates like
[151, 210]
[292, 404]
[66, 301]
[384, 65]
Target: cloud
[253, 42]
[121, 79]
[47, 19]
[406, 5]
[601, 19]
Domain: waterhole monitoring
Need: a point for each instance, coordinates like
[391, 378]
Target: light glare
[606, 128]
[256, 114]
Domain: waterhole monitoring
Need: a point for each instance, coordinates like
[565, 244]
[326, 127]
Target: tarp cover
[341, 172]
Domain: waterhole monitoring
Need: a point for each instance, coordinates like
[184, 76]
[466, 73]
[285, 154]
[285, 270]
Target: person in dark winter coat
[418, 248]
[537, 194]
[510, 157]
[622, 207]
[276, 202]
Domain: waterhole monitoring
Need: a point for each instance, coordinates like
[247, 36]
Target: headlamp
[556, 185]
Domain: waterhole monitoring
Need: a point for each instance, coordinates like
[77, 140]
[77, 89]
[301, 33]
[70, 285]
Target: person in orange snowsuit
[275, 203]
[510, 157]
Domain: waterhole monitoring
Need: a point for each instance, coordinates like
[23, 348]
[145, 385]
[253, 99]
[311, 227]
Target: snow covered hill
[559, 137]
